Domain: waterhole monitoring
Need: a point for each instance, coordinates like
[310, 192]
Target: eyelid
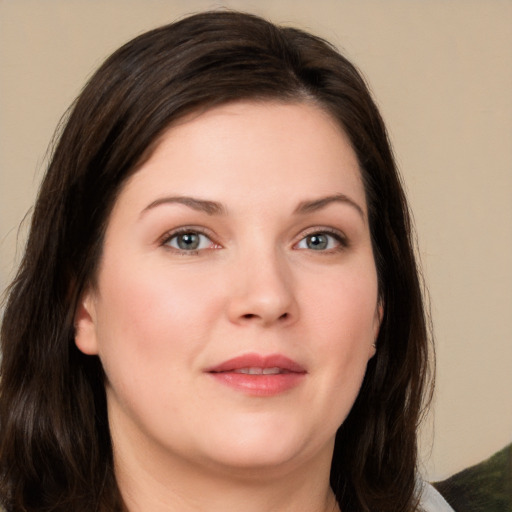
[335, 233]
[163, 240]
[168, 235]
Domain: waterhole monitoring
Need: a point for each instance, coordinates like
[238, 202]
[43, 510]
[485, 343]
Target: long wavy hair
[55, 446]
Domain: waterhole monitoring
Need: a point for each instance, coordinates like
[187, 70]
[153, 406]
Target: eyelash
[186, 230]
[339, 237]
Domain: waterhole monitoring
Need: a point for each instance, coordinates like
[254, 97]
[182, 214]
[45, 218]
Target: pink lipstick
[259, 375]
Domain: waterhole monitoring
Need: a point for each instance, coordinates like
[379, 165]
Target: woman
[219, 305]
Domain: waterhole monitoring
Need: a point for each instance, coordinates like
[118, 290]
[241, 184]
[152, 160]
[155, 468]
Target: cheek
[151, 326]
[343, 319]
[345, 307]
[150, 316]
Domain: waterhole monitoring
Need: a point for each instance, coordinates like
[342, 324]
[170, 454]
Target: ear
[85, 324]
[379, 313]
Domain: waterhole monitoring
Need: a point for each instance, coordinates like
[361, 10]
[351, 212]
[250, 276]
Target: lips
[259, 375]
[261, 371]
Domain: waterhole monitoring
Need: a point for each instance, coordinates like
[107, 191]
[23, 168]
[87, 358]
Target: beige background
[441, 72]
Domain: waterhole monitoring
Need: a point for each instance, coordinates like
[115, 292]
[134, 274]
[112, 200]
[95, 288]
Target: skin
[159, 315]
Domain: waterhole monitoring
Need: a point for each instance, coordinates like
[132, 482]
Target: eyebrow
[201, 205]
[317, 204]
[215, 208]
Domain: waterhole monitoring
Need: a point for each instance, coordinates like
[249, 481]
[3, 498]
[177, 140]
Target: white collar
[431, 500]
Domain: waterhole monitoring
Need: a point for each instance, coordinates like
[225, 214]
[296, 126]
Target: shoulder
[486, 487]
[431, 500]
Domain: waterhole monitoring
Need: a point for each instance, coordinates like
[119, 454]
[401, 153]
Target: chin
[255, 465]
[261, 449]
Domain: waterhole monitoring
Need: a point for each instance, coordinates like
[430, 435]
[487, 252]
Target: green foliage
[486, 487]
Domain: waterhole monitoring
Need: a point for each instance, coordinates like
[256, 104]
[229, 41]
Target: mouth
[259, 375]
[261, 371]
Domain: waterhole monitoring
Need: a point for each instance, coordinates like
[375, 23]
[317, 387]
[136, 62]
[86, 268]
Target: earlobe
[376, 328]
[85, 325]
[379, 313]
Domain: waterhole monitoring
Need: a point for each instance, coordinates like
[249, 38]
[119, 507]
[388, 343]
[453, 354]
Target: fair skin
[243, 237]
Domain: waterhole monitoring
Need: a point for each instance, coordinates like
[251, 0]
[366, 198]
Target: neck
[148, 481]
[220, 495]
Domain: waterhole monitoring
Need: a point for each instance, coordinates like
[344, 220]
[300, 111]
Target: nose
[262, 292]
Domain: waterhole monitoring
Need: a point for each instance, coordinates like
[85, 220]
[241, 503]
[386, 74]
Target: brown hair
[55, 448]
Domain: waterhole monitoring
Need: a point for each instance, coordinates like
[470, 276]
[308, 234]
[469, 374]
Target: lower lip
[260, 385]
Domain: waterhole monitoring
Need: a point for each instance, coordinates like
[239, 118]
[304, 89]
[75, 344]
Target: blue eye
[189, 241]
[320, 241]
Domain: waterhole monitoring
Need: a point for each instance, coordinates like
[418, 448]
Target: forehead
[267, 151]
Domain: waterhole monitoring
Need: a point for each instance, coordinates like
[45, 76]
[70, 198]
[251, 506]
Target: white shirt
[432, 501]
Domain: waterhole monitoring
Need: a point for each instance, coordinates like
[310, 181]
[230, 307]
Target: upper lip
[258, 361]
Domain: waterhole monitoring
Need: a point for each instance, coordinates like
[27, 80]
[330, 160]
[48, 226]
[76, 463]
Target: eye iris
[317, 242]
[188, 241]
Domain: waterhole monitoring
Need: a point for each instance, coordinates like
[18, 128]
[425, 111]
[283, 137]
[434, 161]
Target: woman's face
[236, 302]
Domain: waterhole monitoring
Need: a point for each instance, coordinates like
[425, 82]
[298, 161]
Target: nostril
[250, 316]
